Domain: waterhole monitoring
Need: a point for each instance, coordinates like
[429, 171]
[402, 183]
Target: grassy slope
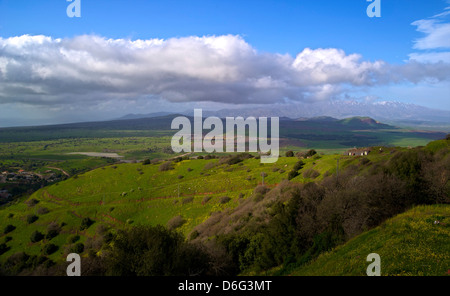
[408, 244]
[124, 194]
[129, 194]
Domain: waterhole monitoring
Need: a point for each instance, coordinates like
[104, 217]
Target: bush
[157, 252]
[86, 223]
[310, 153]
[175, 222]
[292, 174]
[290, 153]
[50, 249]
[209, 166]
[3, 248]
[42, 211]
[73, 238]
[36, 237]
[261, 189]
[298, 165]
[32, 202]
[200, 157]
[9, 228]
[78, 248]
[53, 230]
[312, 174]
[32, 218]
[146, 162]
[166, 166]
[224, 199]
[187, 200]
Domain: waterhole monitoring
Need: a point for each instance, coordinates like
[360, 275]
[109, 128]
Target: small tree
[9, 228]
[31, 219]
[292, 174]
[86, 223]
[175, 222]
[50, 249]
[77, 248]
[36, 237]
[166, 166]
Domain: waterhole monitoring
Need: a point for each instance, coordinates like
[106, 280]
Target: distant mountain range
[397, 113]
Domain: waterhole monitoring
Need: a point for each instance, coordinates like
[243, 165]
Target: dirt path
[61, 170]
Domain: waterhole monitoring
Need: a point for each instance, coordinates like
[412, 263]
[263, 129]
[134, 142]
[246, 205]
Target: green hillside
[219, 201]
[413, 243]
[122, 195]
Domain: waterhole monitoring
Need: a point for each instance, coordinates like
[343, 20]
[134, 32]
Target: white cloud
[95, 71]
[436, 39]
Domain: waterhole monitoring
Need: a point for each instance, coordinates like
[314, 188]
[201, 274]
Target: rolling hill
[205, 198]
[412, 243]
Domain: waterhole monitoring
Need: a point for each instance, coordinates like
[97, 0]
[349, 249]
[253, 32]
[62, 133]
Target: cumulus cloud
[89, 70]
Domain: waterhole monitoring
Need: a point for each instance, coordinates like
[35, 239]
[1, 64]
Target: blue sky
[270, 28]
[273, 26]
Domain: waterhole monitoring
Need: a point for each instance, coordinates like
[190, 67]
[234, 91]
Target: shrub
[158, 252]
[209, 165]
[311, 173]
[292, 174]
[32, 218]
[310, 153]
[200, 157]
[166, 166]
[224, 199]
[32, 202]
[86, 223]
[43, 211]
[298, 165]
[36, 237]
[78, 248]
[146, 162]
[290, 153]
[52, 231]
[261, 189]
[50, 249]
[187, 200]
[175, 222]
[9, 228]
[10, 215]
[3, 248]
[73, 238]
